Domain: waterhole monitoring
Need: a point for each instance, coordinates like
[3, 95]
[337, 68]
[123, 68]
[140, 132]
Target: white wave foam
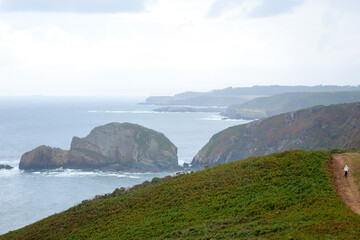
[236, 120]
[122, 112]
[80, 173]
[64, 173]
[9, 173]
[218, 117]
[133, 177]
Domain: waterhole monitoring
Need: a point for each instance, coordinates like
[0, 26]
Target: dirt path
[347, 188]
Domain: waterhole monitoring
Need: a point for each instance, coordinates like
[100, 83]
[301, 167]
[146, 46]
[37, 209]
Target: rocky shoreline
[6, 167]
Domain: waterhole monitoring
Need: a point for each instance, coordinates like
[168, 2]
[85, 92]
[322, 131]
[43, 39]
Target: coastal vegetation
[287, 102]
[320, 127]
[287, 195]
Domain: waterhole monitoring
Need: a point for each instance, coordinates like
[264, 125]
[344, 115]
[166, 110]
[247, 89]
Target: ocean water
[28, 122]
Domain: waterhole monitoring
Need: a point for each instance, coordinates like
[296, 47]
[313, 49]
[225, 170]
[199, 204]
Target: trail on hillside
[347, 188]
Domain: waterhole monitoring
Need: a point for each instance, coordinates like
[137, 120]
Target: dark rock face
[44, 157]
[320, 127]
[6, 167]
[86, 155]
[112, 147]
[123, 145]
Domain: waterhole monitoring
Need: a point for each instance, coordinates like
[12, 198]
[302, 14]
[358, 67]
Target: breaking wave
[121, 112]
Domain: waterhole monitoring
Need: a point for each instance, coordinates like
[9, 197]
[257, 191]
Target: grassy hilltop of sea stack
[287, 195]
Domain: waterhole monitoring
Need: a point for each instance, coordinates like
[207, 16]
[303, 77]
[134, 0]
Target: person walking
[346, 169]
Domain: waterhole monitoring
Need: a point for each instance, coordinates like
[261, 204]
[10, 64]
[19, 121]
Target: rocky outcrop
[44, 157]
[115, 146]
[123, 145]
[320, 127]
[5, 166]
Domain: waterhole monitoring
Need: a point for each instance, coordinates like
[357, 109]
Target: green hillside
[285, 195]
[287, 102]
[320, 127]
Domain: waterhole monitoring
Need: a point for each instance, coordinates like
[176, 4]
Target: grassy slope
[309, 129]
[287, 102]
[283, 195]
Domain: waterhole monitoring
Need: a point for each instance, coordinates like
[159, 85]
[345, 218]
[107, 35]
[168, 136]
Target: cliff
[320, 127]
[114, 146]
[281, 103]
[230, 96]
[220, 101]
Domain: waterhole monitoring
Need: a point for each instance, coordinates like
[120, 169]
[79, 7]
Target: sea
[28, 122]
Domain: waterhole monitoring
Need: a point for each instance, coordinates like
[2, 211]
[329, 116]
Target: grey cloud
[266, 8]
[72, 6]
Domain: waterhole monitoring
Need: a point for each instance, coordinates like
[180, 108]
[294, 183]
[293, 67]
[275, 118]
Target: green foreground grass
[285, 195]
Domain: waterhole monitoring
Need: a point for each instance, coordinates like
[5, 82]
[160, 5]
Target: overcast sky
[162, 47]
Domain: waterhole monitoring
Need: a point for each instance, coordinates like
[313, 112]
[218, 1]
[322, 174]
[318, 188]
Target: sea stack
[114, 146]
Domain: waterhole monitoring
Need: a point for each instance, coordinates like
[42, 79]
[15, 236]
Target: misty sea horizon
[28, 122]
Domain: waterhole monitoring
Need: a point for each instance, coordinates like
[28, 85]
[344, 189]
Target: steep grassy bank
[287, 102]
[320, 127]
[285, 195]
